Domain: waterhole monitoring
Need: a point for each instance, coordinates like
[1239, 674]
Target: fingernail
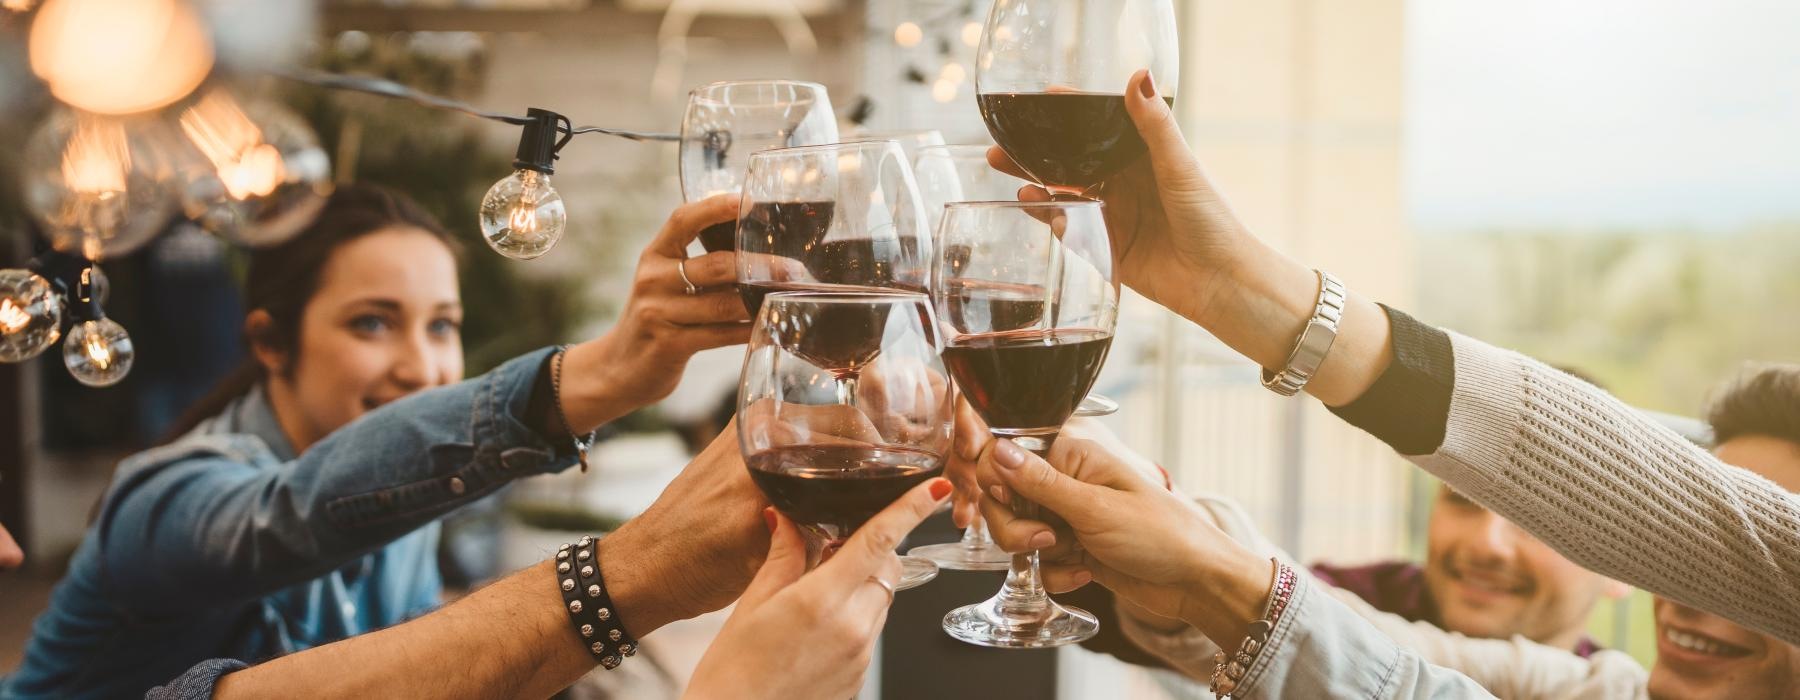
[1148, 87]
[939, 489]
[1009, 455]
[998, 493]
[1043, 540]
[1083, 578]
[769, 518]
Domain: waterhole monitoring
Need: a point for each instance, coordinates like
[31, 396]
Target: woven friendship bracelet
[590, 606]
[1228, 671]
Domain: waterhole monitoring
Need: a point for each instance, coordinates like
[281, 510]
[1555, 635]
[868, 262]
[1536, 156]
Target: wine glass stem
[1024, 589]
[846, 389]
[975, 537]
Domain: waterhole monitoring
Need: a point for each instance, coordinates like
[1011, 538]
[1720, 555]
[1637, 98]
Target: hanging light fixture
[119, 56]
[100, 186]
[265, 175]
[522, 216]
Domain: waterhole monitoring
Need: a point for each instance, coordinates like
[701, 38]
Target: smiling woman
[298, 503]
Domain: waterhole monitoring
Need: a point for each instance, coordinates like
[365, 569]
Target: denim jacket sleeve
[1320, 649]
[182, 532]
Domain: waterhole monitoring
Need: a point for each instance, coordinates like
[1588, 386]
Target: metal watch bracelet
[1315, 340]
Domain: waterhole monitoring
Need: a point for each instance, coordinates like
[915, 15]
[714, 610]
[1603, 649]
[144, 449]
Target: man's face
[1702, 656]
[1490, 579]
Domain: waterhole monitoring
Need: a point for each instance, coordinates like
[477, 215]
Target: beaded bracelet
[590, 607]
[583, 443]
[1229, 671]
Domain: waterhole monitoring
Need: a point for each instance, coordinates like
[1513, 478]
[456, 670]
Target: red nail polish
[769, 518]
[939, 489]
[1148, 87]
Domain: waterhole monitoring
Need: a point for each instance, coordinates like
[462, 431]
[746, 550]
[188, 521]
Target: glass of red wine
[726, 122]
[1026, 295]
[1050, 78]
[831, 464]
[831, 218]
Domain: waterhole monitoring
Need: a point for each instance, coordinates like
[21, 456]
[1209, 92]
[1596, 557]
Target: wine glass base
[989, 624]
[1094, 405]
[915, 572]
[957, 556]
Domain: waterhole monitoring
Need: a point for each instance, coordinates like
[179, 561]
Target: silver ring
[681, 269]
[877, 580]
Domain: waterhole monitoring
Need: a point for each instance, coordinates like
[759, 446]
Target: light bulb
[522, 215]
[30, 315]
[98, 353]
[908, 34]
[266, 175]
[120, 56]
[101, 186]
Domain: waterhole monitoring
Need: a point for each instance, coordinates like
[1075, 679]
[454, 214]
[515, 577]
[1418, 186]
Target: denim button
[457, 486]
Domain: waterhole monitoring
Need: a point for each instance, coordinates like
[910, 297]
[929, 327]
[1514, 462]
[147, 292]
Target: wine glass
[1026, 293]
[913, 142]
[726, 122]
[835, 217]
[1050, 79]
[831, 464]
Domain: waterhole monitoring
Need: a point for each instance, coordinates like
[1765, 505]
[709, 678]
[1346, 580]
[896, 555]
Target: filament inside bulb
[12, 318]
[99, 351]
[247, 166]
[523, 217]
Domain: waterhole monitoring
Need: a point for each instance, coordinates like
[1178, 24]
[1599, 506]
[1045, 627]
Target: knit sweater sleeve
[1617, 493]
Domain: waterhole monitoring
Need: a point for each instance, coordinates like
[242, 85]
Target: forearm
[511, 639]
[1265, 300]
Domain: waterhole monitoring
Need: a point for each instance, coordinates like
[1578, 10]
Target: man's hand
[695, 549]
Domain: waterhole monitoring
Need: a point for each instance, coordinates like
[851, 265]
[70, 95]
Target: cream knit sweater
[1617, 493]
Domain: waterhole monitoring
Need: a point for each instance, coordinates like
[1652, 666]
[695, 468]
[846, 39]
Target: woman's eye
[368, 324]
[445, 326]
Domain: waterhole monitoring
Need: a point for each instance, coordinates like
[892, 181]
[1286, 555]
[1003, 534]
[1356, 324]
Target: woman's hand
[1177, 242]
[639, 361]
[1151, 547]
[799, 634]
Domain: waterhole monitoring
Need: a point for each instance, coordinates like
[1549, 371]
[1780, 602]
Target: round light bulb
[120, 56]
[522, 215]
[98, 353]
[266, 176]
[30, 315]
[908, 34]
[101, 186]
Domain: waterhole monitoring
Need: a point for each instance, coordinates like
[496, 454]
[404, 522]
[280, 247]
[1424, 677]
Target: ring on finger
[879, 581]
[681, 269]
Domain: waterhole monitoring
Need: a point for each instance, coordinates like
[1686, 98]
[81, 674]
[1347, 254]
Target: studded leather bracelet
[590, 606]
[1229, 671]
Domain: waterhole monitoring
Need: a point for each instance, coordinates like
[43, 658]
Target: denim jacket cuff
[502, 419]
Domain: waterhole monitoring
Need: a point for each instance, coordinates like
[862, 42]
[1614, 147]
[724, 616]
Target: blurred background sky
[1602, 113]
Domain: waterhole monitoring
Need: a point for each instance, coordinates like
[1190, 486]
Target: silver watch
[1315, 340]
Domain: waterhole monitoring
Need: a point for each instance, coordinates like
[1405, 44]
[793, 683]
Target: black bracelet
[590, 606]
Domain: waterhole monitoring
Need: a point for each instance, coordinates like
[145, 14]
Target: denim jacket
[225, 544]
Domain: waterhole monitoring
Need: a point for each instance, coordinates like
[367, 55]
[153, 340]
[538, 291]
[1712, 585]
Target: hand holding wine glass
[728, 121]
[801, 634]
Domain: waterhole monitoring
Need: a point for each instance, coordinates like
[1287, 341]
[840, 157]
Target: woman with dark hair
[298, 505]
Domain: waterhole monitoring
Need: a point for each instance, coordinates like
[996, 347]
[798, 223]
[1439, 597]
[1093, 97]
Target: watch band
[1315, 339]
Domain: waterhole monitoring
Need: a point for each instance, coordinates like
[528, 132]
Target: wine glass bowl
[1049, 81]
[1026, 296]
[726, 122]
[829, 463]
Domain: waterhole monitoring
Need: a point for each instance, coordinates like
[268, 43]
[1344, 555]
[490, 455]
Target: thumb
[1028, 475]
[785, 564]
[1170, 156]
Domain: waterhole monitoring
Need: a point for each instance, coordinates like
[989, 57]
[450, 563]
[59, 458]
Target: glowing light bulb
[971, 34]
[908, 34]
[101, 186]
[120, 56]
[98, 353]
[268, 175]
[954, 72]
[522, 216]
[30, 315]
[943, 91]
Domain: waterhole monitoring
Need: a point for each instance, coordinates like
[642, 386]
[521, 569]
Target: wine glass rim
[704, 94]
[1013, 204]
[848, 297]
[828, 147]
[956, 149]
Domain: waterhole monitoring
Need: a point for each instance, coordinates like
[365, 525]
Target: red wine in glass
[1027, 380]
[841, 340]
[1069, 141]
[836, 488]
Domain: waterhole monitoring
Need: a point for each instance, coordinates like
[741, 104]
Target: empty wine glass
[827, 463]
[913, 142]
[1027, 296]
[727, 121]
[1050, 79]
